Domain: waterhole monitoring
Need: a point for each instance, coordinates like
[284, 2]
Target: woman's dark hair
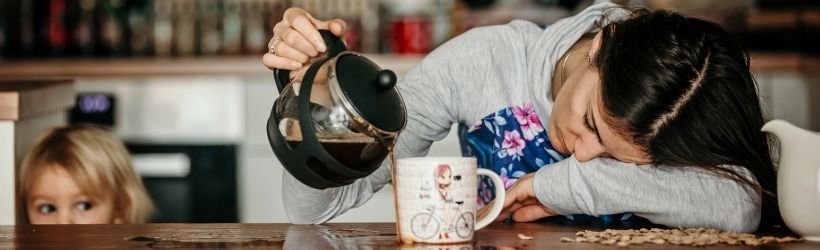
[681, 88]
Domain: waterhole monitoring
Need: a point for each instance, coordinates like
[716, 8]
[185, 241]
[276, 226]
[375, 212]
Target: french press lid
[369, 90]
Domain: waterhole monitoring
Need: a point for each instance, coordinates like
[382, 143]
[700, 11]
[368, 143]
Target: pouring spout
[775, 126]
[788, 133]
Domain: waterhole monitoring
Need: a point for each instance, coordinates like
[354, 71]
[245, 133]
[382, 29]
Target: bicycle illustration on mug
[425, 225]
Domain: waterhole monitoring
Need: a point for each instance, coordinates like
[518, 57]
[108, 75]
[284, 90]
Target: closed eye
[589, 121]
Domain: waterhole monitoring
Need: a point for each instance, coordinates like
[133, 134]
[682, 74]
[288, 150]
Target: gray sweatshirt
[490, 68]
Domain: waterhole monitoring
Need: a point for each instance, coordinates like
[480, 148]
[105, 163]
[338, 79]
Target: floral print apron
[512, 142]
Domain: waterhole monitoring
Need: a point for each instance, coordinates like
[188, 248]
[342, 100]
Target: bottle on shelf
[112, 25]
[231, 27]
[56, 27]
[208, 15]
[81, 27]
[163, 31]
[139, 27]
[184, 16]
[27, 29]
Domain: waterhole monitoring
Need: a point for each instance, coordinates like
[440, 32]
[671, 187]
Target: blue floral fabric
[511, 142]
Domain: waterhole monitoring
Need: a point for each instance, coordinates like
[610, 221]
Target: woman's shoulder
[514, 30]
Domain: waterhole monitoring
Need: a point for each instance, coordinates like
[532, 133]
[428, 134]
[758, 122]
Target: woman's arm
[672, 196]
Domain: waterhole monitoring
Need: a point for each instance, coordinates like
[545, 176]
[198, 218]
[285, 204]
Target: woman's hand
[296, 39]
[520, 202]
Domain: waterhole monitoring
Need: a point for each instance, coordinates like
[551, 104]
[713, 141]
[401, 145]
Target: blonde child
[81, 175]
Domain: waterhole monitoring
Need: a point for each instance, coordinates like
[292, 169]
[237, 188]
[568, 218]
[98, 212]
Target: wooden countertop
[28, 98]
[546, 235]
[67, 68]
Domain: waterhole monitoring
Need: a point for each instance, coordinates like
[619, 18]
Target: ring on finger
[272, 45]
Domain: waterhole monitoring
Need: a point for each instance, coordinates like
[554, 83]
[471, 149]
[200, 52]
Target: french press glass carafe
[337, 122]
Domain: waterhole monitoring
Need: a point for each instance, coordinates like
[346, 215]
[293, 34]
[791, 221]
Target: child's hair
[97, 161]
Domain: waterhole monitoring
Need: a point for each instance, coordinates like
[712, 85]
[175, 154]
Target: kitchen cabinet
[27, 108]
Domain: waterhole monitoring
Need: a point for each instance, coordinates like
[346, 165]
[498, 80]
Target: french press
[338, 121]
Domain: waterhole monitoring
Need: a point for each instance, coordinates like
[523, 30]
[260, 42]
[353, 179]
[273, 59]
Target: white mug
[436, 199]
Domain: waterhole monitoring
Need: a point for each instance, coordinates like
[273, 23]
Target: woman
[655, 114]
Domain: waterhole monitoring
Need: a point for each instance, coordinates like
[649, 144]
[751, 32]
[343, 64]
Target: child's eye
[84, 206]
[46, 209]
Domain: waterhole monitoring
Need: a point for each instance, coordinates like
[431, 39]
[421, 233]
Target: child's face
[56, 199]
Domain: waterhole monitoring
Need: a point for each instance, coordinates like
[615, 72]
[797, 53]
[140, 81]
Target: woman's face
[56, 199]
[577, 125]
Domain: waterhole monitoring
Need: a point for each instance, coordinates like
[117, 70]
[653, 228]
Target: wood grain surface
[546, 235]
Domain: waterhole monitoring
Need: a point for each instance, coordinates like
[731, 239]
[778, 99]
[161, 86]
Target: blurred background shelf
[69, 68]
[763, 62]
[51, 68]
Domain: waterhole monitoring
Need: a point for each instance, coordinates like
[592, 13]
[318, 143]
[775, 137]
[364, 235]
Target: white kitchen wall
[792, 97]
[260, 174]
[175, 108]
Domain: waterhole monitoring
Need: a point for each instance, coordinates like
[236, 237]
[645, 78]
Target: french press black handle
[334, 44]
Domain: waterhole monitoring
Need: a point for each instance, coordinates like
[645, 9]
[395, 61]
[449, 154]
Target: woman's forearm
[306, 205]
[672, 196]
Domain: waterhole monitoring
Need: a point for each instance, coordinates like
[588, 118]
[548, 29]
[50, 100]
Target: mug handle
[499, 196]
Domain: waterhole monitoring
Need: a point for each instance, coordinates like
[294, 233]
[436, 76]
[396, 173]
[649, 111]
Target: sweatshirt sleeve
[307, 205]
[671, 196]
[432, 92]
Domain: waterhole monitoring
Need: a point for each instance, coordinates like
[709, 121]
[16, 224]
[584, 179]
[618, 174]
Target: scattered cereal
[524, 237]
[687, 237]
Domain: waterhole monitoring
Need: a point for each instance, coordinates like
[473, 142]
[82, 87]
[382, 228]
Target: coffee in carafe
[361, 154]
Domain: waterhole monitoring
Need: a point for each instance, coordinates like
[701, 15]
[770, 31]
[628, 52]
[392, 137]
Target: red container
[410, 35]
